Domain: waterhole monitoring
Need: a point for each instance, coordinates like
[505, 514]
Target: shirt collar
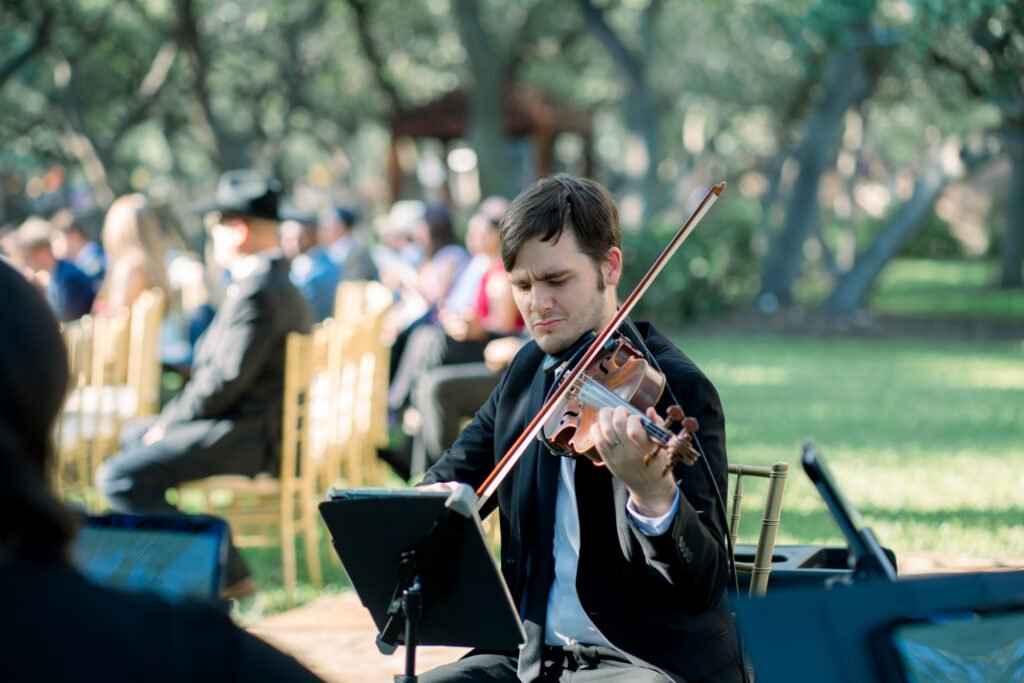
[247, 266]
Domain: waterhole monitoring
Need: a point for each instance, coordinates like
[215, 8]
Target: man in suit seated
[619, 571]
[227, 418]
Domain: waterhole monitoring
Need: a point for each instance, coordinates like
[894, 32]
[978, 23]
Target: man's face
[295, 238]
[558, 290]
[329, 229]
[227, 235]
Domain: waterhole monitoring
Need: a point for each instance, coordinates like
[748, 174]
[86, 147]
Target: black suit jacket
[238, 368]
[657, 599]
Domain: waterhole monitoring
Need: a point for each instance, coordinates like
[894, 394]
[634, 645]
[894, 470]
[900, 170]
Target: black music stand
[870, 558]
[421, 565]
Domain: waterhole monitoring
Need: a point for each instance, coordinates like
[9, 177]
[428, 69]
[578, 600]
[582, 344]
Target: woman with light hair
[133, 240]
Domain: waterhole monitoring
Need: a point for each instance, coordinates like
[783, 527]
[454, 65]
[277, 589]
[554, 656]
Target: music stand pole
[411, 605]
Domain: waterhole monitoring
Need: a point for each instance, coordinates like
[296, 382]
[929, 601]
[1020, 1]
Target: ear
[243, 232]
[611, 268]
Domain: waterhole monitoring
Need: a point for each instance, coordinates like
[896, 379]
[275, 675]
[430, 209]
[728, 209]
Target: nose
[541, 300]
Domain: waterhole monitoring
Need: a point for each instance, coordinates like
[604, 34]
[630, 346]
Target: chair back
[143, 372]
[266, 511]
[761, 567]
[358, 366]
[114, 360]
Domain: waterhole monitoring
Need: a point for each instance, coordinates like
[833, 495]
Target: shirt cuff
[653, 526]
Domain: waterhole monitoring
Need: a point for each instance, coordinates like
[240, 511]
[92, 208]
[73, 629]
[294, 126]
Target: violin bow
[516, 451]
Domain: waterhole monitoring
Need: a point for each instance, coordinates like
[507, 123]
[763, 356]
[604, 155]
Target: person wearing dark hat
[227, 418]
[334, 232]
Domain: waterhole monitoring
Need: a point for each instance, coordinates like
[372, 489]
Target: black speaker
[962, 627]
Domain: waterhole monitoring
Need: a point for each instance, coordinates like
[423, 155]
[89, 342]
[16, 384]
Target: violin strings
[595, 394]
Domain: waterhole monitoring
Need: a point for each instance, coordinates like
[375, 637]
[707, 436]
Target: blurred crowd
[452, 328]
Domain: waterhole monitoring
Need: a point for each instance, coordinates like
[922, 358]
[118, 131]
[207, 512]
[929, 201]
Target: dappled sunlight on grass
[924, 436]
[748, 375]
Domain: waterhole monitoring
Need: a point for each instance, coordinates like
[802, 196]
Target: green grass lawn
[923, 436]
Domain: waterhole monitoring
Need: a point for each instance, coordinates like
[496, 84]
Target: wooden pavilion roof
[528, 110]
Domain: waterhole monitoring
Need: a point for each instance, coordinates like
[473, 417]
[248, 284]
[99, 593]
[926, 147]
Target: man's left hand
[622, 442]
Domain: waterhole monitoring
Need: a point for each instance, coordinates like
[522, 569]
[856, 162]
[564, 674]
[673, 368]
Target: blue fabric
[93, 262]
[317, 277]
[70, 292]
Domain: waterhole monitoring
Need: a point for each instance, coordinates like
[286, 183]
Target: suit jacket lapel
[535, 478]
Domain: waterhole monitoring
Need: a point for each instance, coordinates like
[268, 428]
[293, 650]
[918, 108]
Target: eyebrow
[547, 275]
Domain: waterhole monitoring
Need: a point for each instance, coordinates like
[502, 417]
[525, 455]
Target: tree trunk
[486, 134]
[641, 113]
[846, 84]
[1013, 237]
[853, 287]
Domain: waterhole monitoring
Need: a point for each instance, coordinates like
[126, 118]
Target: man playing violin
[618, 571]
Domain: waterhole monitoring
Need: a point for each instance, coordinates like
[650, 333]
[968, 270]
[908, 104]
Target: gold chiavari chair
[268, 511]
[761, 567]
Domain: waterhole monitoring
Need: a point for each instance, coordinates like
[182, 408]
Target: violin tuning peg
[672, 415]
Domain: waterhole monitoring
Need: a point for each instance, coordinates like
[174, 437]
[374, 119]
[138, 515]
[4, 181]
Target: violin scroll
[679, 446]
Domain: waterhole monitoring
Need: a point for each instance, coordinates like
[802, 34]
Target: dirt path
[334, 635]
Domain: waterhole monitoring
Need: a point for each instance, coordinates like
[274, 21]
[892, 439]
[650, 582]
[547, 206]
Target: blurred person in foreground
[619, 571]
[227, 418]
[68, 290]
[56, 625]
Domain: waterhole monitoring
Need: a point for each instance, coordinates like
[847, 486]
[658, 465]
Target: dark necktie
[541, 569]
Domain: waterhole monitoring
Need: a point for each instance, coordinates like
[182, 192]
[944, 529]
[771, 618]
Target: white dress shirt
[566, 622]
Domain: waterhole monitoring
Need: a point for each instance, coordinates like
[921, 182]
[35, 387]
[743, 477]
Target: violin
[619, 377]
[572, 377]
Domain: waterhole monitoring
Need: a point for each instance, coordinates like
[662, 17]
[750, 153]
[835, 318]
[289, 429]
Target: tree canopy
[840, 125]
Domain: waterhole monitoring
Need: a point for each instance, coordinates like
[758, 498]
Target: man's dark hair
[551, 204]
[33, 381]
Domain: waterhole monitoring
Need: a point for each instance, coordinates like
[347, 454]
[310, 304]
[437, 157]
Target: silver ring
[615, 443]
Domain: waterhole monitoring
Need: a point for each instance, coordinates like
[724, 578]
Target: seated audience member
[136, 253]
[398, 259]
[312, 270]
[334, 232]
[56, 626]
[461, 338]
[72, 241]
[443, 257]
[227, 418]
[462, 295]
[68, 290]
[447, 395]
